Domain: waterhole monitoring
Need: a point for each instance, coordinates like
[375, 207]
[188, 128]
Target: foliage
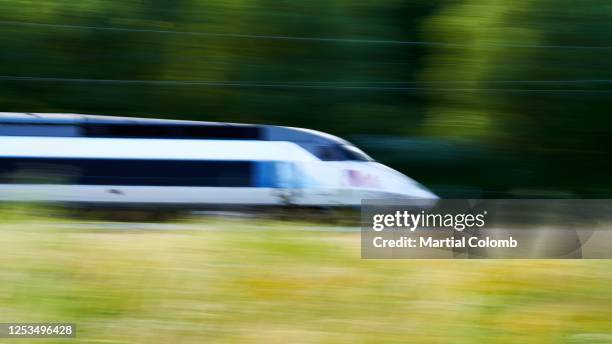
[524, 81]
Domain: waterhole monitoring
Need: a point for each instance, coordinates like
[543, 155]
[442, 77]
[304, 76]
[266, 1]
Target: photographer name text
[452, 242]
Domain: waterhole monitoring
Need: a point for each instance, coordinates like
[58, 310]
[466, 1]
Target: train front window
[353, 153]
[337, 152]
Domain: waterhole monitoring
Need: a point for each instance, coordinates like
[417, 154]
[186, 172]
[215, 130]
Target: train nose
[412, 189]
[419, 191]
[397, 183]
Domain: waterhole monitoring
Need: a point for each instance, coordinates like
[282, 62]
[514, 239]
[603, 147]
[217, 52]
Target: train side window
[212, 132]
[39, 130]
[137, 172]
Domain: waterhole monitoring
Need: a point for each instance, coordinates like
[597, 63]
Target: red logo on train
[361, 179]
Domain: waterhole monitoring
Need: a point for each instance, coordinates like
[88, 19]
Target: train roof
[72, 118]
[61, 124]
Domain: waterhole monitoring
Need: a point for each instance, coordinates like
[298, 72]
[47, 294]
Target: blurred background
[474, 98]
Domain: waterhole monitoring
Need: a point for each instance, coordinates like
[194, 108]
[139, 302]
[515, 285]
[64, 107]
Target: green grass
[244, 281]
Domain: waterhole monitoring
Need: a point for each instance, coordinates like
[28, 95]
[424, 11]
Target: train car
[117, 160]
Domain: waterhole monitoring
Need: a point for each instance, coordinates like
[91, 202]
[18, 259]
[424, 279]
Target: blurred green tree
[506, 95]
[530, 78]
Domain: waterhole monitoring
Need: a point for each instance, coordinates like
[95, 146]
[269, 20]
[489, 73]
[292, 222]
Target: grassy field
[254, 281]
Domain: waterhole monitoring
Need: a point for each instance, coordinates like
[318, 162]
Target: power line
[442, 82]
[308, 83]
[302, 38]
[217, 34]
[291, 85]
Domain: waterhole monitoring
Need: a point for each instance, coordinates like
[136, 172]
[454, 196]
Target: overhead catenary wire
[303, 38]
[272, 85]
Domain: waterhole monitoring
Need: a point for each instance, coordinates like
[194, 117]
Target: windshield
[338, 152]
[354, 153]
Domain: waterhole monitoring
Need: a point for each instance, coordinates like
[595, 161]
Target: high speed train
[118, 160]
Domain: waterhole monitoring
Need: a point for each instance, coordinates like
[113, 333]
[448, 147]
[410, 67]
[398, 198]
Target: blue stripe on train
[266, 175]
[277, 174]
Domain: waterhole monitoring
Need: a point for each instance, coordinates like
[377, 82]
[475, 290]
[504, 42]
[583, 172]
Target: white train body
[100, 159]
